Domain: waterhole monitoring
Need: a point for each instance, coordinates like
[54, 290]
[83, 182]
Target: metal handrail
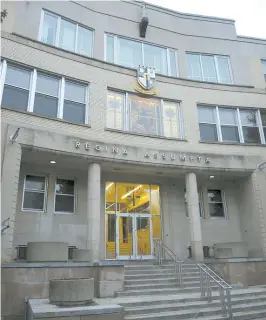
[160, 250]
[206, 275]
[3, 226]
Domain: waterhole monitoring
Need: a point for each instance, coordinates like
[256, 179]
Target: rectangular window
[149, 116]
[65, 196]
[263, 62]
[132, 53]
[209, 68]
[216, 204]
[263, 121]
[34, 193]
[16, 88]
[44, 94]
[69, 35]
[231, 125]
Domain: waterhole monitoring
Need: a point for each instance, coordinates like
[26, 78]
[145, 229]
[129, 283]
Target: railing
[206, 276]
[160, 253]
[5, 225]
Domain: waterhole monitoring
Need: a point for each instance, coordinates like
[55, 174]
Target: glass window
[173, 63]
[208, 68]
[216, 206]
[16, 88]
[263, 62]
[67, 35]
[170, 119]
[64, 195]
[250, 126]
[208, 127]
[115, 107]
[129, 53]
[34, 193]
[110, 48]
[194, 67]
[143, 115]
[49, 29]
[229, 126]
[223, 69]
[263, 120]
[155, 57]
[75, 102]
[84, 44]
[46, 97]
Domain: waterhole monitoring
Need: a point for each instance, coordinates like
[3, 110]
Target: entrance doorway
[132, 220]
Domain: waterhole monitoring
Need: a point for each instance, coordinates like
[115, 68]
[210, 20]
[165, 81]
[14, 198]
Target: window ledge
[47, 118]
[233, 143]
[144, 135]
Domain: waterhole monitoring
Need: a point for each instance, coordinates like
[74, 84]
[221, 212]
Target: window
[65, 196]
[263, 62]
[60, 32]
[132, 113]
[16, 88]
[44, 94]
[132, 53]
[34, 193]
[216, 203]
[111, 225]
[210, 68]
[231, 124]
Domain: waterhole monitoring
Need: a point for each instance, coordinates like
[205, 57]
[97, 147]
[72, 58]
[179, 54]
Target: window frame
[57, 32]
[32, 91]
[115, 53]
[45, 192]
[74, 196]
[215, 56]
[160, 119]
[223, 202]
[263, 62]
[238, 125]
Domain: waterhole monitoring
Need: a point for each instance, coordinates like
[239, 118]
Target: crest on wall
[146, 80]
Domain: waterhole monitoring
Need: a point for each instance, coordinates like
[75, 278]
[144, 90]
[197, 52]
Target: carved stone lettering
[207, 160]
[125, 152]
[87, 146]
[155, 155]
[97, 147]
[172, 156]
[115, 150]
[147, 155]
[77, 145]
[182, 158]
[163, 156]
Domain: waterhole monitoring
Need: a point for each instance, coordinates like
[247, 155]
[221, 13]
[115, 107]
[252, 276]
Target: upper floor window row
[232, 124]
[60, 32]
[263, 62]
[148, 116]
[44, 94]
[131, 53]
[209, 68]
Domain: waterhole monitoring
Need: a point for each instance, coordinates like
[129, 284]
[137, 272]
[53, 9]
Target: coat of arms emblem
[146, 77]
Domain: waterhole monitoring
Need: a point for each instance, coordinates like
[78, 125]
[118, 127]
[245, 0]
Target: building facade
[106, 155]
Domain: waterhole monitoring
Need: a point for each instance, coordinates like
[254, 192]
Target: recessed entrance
[133, 218]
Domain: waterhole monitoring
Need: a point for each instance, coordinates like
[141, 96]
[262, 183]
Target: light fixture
[211, 177]
[109, 186]
[131, 191]
[52, 162]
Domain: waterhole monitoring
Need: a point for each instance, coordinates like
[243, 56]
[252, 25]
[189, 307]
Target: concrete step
[154, 275]
[163, 285]
[159, 280]
[177, 306]
[201, 313]
[158, 270]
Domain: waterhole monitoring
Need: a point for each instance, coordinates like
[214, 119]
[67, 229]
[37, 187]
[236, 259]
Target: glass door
[125, 236]
[143, 234]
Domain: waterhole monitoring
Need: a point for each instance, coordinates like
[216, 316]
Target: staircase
[151, 292]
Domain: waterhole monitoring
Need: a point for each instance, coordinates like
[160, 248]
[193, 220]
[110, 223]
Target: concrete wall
[32, 281]
[180, 31]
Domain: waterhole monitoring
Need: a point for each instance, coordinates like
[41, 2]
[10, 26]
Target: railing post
[209, 292]
[229, 304]
[201, 282]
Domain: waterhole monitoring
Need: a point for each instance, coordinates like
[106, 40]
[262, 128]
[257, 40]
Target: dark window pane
[74, 112]
[216, 209]
[208, 132]
[143, 125]
[33, 200]
[251, 134]
[263, 118]
[15, 98]
[111, 227]
[64, 203]
[35, 183]
[264, 130]
[230, 133]
[45, 106]
[65, 186]
[18, 77]
[214, 196]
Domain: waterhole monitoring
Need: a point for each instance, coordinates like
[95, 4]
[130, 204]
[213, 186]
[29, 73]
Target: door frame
[134, 255]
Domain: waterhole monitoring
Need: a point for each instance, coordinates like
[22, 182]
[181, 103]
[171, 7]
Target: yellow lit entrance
[132, 220]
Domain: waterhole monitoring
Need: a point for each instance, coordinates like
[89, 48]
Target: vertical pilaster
[94, 209]
[194, 216]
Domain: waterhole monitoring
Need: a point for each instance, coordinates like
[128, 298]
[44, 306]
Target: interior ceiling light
[52, 162]
[211, 177]
[131, 191]
[109, 186]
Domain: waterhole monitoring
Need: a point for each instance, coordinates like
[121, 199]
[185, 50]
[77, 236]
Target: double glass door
[134, 236]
